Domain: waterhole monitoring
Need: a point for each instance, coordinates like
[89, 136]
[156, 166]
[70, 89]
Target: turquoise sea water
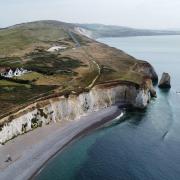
[143, 145]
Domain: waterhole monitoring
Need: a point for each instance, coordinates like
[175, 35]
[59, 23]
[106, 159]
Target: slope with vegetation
[77, 68]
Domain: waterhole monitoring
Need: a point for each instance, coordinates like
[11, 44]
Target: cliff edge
[50, 73]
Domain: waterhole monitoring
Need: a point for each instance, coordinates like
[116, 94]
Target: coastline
[43, 143]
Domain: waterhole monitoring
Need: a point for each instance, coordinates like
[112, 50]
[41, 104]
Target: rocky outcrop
[146, 69]
[147, 92]
[165, 81]
[149, 85]
[142, 99]
[66, 109]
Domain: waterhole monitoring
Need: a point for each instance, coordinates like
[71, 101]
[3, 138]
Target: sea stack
[165, 82]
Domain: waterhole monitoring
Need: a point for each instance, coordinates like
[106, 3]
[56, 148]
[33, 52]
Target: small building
[17, 72]
[9, 73]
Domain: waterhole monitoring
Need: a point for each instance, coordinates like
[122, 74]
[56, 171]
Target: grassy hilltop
[83, 64]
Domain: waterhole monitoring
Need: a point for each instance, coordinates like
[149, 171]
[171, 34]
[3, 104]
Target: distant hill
[100, 30]
[90, 30]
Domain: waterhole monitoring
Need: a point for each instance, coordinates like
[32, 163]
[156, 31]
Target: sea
[141, 145]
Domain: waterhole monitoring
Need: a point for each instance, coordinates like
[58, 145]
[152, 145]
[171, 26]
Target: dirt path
[91, 59]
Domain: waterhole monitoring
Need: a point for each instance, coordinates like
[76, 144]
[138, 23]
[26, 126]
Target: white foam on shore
[120, 116]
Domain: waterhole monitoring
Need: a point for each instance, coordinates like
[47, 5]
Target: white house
[17, 72]
[9, 73]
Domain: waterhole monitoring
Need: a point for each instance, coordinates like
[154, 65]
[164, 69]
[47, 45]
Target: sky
[151, 14]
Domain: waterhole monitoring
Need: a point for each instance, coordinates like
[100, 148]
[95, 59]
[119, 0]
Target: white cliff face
[72, 108]
[84, 32]
[142, 99]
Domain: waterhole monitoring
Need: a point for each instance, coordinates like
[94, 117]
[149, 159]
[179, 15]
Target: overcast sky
[154, 14]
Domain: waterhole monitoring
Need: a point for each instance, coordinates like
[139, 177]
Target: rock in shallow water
[165, 81]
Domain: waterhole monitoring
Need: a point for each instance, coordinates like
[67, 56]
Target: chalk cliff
[72, 108]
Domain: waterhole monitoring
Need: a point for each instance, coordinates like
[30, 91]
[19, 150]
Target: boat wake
[170, 119]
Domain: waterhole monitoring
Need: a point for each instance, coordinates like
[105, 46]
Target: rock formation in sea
[165, 81]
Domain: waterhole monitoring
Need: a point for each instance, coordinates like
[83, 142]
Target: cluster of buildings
[9, 73]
